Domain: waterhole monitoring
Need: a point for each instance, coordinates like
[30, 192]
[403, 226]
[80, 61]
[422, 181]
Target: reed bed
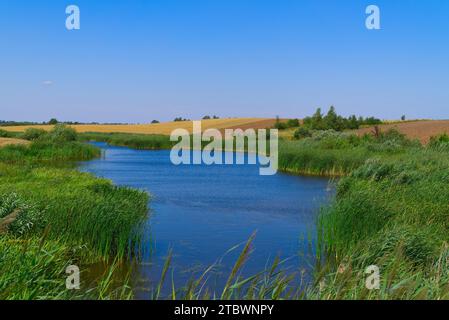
[61, 216]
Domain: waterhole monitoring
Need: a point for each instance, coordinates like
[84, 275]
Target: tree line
[329, 121]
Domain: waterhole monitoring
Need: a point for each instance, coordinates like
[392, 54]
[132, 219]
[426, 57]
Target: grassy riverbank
[59, 217]
[135, 141]
[391, 211]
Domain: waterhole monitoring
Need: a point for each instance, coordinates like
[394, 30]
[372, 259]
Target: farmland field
[10, 141]
[164, 128]
[421, 130]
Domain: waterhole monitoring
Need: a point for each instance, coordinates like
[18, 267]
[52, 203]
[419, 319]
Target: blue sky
[136, 60]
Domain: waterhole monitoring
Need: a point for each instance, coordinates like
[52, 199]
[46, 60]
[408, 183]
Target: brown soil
[421, 130]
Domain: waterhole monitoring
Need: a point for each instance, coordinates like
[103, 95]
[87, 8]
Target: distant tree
[279, 125]
[216, 117]
[371, 121]
[331, 120]
[353, 123]
[206, 118]
[403, 118]
[316, 121]
[155, 121]
[53, 121]
[180, 119]
[293, 123]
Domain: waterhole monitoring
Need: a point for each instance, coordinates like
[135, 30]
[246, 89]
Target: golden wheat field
[164, 128]
[9, 141]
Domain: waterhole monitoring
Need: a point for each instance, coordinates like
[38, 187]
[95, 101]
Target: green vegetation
[53, 216]
[333, 121]
[60, 144]
[145, 141]
[319, 122]
[8, 134]
[390, 211]
[135, 141]
[180, 119]
[335, 153]
[209, 117]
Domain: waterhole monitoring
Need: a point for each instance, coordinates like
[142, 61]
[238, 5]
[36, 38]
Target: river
[201, 212]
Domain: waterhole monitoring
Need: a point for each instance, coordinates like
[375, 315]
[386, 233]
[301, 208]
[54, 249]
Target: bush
[5, 134]
[293, 123]
[302, 133]
[32, 134]
[62, 133]
[280, 125]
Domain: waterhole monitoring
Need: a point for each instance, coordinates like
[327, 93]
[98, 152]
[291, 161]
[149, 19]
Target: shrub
[280, 125]
[302, 133]
[33, 134]
[62, 133]
[5, 134]
[293, 123]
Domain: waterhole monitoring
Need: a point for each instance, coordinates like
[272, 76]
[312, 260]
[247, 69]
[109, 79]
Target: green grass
[80, 208]
[135, 141]
[65, 217]
[391, 210]
[330, 153]
[150, 142]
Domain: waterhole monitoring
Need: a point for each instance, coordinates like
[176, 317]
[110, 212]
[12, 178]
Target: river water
[201, 212]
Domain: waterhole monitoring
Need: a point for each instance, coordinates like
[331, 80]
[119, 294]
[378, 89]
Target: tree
[403, 118]
[206, 118]
[293, 123]
[353, 123]
[155, 121]
[316, 121]
[331, 120]
[53, 121]
[280, 125]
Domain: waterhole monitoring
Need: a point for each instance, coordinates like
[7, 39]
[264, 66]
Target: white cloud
[47, 83]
